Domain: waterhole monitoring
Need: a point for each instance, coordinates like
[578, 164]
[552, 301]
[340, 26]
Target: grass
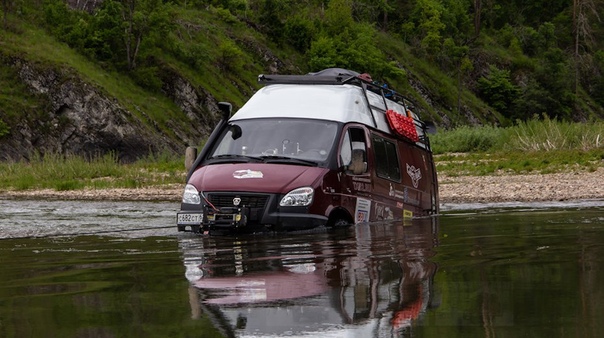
[476, 164]
[534, 146]
[535, 135]
[62, 173]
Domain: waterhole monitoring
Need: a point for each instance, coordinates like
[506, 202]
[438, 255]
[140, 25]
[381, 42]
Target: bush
[147, 77]
[498, 90]
[299, 32]
[535, 135]
[466, 139]
[551, 134]
[230, 56]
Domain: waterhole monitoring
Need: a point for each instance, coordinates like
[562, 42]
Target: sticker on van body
[362, 210]
[415, 174]
[247, 173]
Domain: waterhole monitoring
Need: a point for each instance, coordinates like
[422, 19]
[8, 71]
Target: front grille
[226, 200]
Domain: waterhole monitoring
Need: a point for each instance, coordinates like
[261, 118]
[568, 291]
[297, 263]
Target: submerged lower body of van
[234, 198]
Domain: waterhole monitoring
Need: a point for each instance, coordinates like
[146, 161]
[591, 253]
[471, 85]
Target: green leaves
[498, 90]
[230, 56]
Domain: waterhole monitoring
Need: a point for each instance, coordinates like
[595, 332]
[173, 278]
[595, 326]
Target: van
[326, 149]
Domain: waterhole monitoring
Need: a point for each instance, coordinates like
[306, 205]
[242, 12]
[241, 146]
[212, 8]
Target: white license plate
[189, 218]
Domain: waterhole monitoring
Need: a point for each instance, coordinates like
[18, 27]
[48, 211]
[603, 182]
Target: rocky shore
[453, 189]
[523, 188]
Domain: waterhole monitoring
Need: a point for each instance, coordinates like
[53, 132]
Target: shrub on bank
[533, 135]
[70, 172]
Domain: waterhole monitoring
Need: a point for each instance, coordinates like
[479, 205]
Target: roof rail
[304, 79]
[337, 78]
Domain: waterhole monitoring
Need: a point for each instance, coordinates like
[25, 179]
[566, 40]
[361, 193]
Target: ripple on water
[27, 218]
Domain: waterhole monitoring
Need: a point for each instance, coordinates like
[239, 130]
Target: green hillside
[461, 62]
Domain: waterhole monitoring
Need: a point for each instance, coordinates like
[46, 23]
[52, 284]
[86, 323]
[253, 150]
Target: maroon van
[325, 149]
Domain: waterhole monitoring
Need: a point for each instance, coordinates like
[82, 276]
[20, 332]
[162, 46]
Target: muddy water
[118, 269]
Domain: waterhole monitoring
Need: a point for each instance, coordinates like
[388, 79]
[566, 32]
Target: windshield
[268, 138]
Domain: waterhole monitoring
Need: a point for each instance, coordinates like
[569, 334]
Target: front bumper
[255, 213]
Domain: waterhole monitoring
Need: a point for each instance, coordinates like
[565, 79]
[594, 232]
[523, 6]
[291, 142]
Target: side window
[353, 151]
[386, 159]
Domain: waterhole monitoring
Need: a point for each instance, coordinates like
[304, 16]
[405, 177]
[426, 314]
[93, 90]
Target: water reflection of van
[374, 280]
[326, 149]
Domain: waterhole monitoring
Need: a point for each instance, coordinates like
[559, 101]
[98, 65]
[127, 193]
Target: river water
[120, 269]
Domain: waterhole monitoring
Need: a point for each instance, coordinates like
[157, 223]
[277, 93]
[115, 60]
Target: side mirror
[226, 108]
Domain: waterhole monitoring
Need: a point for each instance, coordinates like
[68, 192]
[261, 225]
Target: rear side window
[386, 159]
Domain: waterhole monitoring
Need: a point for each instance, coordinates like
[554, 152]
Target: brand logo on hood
[247, 173]
[415, 174]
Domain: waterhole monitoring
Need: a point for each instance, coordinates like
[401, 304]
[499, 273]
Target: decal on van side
[362, 210]
[247, 173]
[415, 174]
[383, 212]
[401, 195]
[361, 184]
[410, 200]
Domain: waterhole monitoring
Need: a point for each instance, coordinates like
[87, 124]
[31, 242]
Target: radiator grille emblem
[236, 201]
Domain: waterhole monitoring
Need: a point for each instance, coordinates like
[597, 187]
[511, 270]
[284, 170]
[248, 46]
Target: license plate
[189, 218]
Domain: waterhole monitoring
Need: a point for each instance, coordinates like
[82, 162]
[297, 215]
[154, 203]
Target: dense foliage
[523, 59]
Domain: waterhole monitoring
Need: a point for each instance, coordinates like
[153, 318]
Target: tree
[372, 11]
[477, 19]
[346, 43]
[135, 25]
[269, 16]
[141, 19]
[428, 25]
[583, 32]
[299, 33]
[498, 91]
[6, 5]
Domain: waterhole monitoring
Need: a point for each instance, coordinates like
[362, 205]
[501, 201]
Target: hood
[255, 177]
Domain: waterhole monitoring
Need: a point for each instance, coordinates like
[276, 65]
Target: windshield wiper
[235, 158]
[287, 160]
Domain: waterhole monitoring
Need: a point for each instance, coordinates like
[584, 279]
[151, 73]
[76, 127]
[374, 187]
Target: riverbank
[567, 186]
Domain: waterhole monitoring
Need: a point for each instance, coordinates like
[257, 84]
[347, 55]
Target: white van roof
[334, 95]
[344, 103]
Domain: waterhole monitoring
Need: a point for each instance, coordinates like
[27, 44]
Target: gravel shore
[522, 188]
[453, 189]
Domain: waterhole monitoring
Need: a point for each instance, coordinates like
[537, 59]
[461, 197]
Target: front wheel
[339, 219]
[340, 223]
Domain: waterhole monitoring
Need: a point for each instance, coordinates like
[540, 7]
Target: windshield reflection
[369, 278]
[298, 138]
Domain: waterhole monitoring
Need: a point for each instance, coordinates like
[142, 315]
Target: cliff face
[81, 119]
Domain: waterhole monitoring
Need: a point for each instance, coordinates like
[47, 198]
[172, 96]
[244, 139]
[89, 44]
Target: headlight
[300, 197]
[191, 195]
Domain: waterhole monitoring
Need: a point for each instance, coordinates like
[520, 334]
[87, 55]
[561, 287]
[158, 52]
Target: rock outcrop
[80, 118]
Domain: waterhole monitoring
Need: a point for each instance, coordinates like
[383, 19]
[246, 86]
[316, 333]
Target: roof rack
[338, 78]
[304, 79]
